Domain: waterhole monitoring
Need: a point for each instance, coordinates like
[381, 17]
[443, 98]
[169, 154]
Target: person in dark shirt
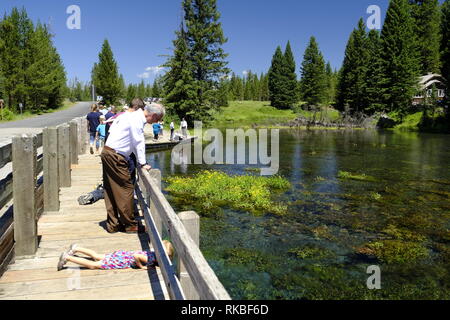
[93, 122]
[111, 113]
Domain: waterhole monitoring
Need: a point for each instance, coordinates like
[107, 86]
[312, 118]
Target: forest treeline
[32, 74]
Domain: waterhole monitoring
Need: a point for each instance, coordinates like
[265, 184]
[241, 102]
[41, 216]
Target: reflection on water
[314, 252]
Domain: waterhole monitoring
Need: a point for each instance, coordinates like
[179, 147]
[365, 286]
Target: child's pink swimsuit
[125, 259]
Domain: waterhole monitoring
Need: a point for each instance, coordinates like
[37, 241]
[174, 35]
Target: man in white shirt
[184, 126]
[126, 137]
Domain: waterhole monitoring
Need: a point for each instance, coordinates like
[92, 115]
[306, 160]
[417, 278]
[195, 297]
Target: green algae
[395, 251]
[209, 190]
[352, 176]
[311, 252]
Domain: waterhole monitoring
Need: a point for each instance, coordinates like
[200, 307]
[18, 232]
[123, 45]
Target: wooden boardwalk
[38, 279]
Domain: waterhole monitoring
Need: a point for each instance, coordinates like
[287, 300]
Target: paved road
[36, 124]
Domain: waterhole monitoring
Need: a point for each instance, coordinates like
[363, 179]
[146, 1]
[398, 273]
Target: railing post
[191, 221]
[156, 176]
[64, 156]
[51, 176]
[83, 135]
[74, 145]
[24, 153]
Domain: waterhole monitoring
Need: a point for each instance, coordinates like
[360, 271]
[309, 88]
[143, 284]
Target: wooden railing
[33, 188]
[41, 164]
[194, 278]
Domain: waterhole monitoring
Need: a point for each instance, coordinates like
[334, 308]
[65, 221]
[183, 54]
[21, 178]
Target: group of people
[123, 151]
[158, 130]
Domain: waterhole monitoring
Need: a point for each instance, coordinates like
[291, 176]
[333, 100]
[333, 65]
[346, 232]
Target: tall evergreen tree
[205, 39]
[11, 57]
[106, 75]
[352, 84]
[427, 18]
[179, 83]
[39, 73]
[331, 83]
[313, 81]
[141, 90]
[400, 57]
[375, 82]
[445, 49]
[277, 79]
[445, 41]
[291, 95]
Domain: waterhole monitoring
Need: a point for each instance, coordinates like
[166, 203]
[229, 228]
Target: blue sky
[141, 31]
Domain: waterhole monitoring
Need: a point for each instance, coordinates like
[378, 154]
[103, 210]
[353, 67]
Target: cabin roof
[433, 78]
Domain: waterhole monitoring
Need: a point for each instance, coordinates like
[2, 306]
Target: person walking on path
[120, 259]
[108, 116]
[156, 131]
[184, 126]
[101, 134]
[172, 130]
[93, 122]
[126, 136]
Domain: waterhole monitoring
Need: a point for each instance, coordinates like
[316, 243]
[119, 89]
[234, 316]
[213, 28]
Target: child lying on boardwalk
[116, 260]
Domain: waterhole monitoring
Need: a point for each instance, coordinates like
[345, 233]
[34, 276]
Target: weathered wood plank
[51, 172]
[7, 260]
[74, 142]
[24, 172]
[205, 280]
[172, 283]
[191, 222]
[81, 282]
[6, 190]
[5, 154]
[64, 167]
[134, 292]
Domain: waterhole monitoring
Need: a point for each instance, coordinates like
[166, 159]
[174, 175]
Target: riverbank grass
[8, 116]
[210, 190]
[247, 114]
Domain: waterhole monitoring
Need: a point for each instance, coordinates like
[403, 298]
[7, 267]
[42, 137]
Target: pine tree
[141, 90]
[277, 79]
[331, 83]
[445, 41]
[352, 86]
[445, 49]
[205, 39]
[106, 75]
[40, 75]
[122, 87]
[400, 57]
[375, 83]
[11, 57]
[179, 83]
[148, 90]
[131, 93]
[427, 17]
[291, 96]
[313, 81]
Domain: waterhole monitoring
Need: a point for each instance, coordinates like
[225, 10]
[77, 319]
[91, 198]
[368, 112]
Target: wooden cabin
[431, 85]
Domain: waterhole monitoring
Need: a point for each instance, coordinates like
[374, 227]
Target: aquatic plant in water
[353, 176]
[395, 251]
[210, 190]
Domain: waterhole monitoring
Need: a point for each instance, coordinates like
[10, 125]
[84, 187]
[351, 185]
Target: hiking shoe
[62, 260]
[72, 249]
[92, 150]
